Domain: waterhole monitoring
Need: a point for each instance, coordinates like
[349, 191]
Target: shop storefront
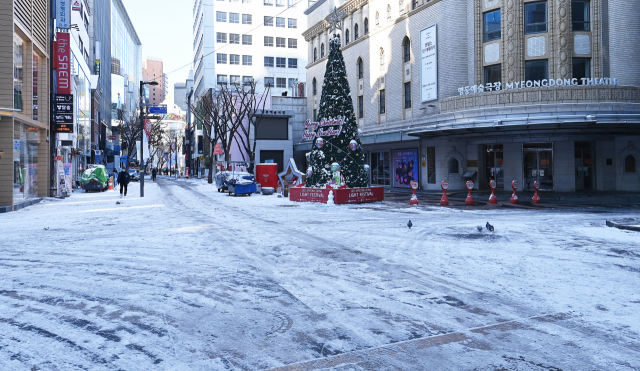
[26, 142]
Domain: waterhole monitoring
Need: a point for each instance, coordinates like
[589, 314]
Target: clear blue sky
[165, 30]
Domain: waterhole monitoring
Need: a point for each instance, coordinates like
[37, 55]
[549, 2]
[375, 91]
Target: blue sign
[123, 158]
[158, 110]
[98, 158]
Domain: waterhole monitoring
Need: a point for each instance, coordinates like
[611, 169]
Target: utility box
[267, 175]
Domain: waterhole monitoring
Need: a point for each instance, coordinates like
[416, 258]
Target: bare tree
[251, 103]
[130, 131]
[156, 140]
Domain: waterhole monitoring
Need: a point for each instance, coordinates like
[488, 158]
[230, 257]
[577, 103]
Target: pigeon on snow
[479, 228]
[489, 227]
[409, 224]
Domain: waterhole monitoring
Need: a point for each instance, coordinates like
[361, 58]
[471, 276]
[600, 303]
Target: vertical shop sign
[63, 63]
[405, 167]
[429, 64]
[63, 14]
[76, 5]
[68, 178]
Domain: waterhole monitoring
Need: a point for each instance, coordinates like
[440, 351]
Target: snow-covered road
[190, 279]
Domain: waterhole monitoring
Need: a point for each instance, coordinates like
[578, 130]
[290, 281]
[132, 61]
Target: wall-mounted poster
[429, 64]
[405, 167]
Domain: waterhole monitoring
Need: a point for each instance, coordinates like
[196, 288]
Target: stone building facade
[526, 90]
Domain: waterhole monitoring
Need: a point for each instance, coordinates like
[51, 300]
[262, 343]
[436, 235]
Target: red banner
[341, 195]
[148, 127]
[62, 63]
[217, 150]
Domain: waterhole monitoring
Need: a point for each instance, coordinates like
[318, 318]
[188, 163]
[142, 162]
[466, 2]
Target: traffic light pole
[142, 167]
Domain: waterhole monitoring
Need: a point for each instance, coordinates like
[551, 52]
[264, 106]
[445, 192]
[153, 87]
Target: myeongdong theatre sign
[498, 86]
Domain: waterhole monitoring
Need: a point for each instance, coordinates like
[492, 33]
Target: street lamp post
[142, 168]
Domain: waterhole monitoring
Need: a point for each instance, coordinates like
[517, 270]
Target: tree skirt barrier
[340, 195]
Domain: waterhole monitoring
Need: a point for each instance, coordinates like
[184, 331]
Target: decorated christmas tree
[337, 156]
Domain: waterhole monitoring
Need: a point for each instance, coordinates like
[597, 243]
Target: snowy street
[187, 278]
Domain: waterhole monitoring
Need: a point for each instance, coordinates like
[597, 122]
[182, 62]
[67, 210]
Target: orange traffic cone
[110, 183]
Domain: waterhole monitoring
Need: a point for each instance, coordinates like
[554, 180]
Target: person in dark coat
[123, 178]
[154, 172]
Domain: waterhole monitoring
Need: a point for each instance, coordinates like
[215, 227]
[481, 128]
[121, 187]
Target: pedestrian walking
[154, 172]
[114, 174]
[123, 178]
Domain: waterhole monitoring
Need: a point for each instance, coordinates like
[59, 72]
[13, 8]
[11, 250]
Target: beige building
[504, 90]
[153, 70]
[24, 102]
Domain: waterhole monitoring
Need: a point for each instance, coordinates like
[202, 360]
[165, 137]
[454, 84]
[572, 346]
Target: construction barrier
[514, 196]
[469, 200]
[414, 198]
[110, 183]
[493, 199]
[444, 201]
[536, 197]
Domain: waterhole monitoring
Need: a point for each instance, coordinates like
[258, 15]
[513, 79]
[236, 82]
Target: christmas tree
[336, 136]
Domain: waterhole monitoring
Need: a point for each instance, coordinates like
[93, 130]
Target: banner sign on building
[76, 5]
[429, 64]
[62, 113]
[63, 63]
[63, 14]
[405, 167]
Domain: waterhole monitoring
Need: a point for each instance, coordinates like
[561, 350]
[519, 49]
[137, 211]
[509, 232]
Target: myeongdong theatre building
[485, 90]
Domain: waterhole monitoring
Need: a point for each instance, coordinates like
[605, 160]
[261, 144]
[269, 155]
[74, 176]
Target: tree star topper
[335, 20]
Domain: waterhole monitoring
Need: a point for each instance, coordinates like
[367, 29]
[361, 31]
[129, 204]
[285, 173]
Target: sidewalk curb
[623, 224]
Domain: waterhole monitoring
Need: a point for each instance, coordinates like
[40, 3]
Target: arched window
[315, 54]
[453, 166]
[346, 37]
[388, 13]
[360, 69]
[355, 32]
[322, 51]
[377, 19]
[366, 26]
[381, 59]
[630, 164]
[406, 50]
[314, 87]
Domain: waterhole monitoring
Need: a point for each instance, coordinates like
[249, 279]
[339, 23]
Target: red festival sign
[63, 63]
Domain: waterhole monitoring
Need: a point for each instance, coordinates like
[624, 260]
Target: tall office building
[238, 41]
[153, 70]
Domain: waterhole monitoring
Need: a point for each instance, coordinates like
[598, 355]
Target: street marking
[122, 208]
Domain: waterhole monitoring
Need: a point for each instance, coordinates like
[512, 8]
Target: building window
[293, 23]
[234, 38]
[314, 87]
[381, 59]
[281, 82]
[346, 37]
[222, 80]
[407, 95]
[383, 104]
[366, 26]
[292, 83]
[268, 21]
[234, 79]
[268, 62]
[280, 22]
[321, 50]
[388, 13]
[355, 32]
[293, 43]
[377, 21]
[281, 62]
[536, 70]
[454, 166]
[234, 18]
[221, 37]
[491, 26]
[268, 82]
[360, 106]
[535, 17]
[580, 15]
[222, 58]
[247, 80]
[268, 41]
[293, 62]
[247, 60]
[280, 42]
[268, 2]
[315, 54]
[414, 4]
[221, 17]
[360, 69]
[581, 68]
[315, 115]
[247, 40]
[234, 59]
[630, 164]
[247, 19]
[493, 74]
[381, 168]
[406, 50]
[280, 3]
[401, 6]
